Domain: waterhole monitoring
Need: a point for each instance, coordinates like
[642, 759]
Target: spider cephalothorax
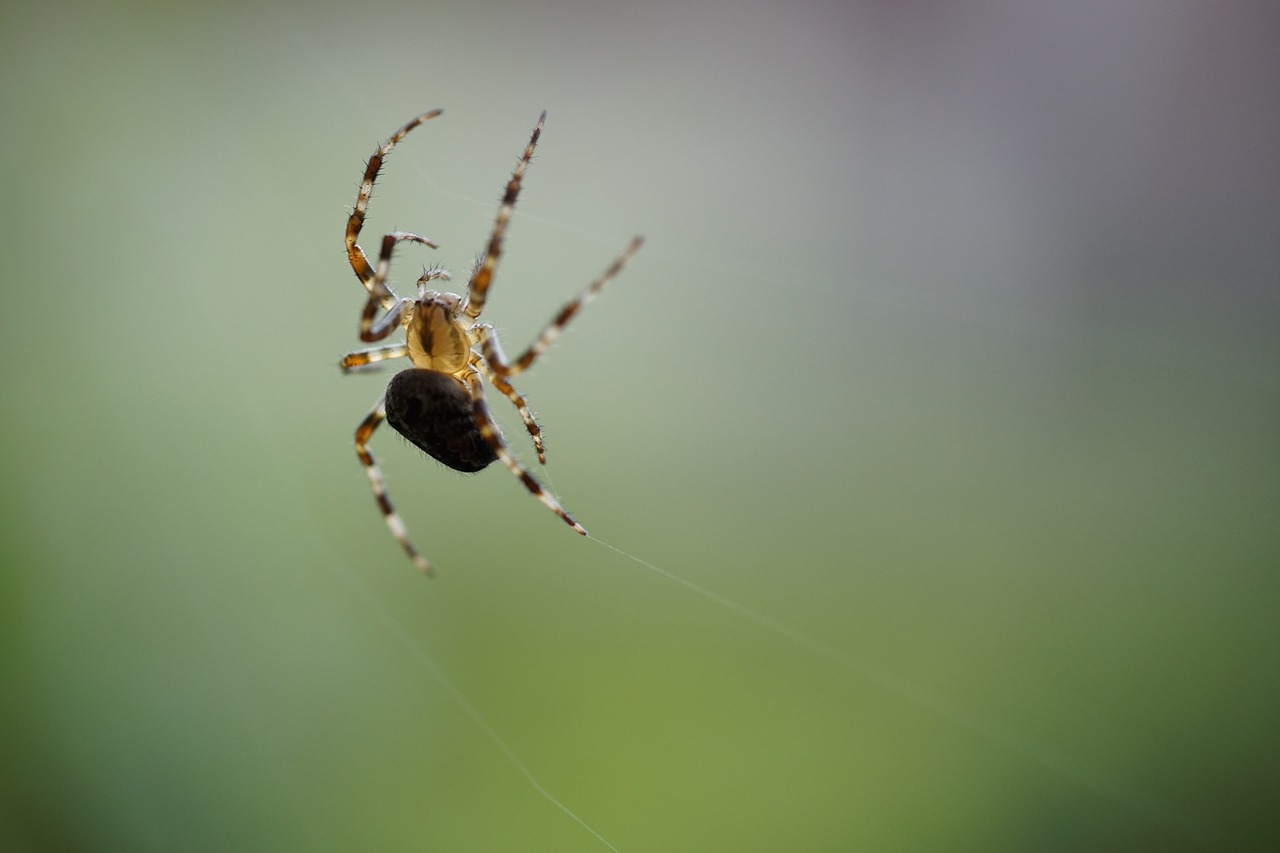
[438, 404]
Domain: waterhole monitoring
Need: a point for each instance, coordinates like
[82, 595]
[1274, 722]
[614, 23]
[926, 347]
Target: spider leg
[517, 399]
[490, 434]
[381, 296]
[363, 432]
[487, 338]
[373, 355]
[478, 287]
[356, 255]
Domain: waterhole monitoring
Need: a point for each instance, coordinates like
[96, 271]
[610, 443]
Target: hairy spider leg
[517, 399]
[363, 432]
[490, 433]
[380, 293]
[355, 254]
[482, 275]
[487, 338]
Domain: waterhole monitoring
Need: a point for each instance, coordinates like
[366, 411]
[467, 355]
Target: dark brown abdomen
[434, 411]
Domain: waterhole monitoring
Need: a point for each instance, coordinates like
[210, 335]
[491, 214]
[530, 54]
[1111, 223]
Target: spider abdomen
[435, 412]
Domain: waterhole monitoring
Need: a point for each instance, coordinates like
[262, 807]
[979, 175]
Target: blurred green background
[952, 364]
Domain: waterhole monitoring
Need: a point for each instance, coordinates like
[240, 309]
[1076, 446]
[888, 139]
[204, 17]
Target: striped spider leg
[484, 335]
[438, 404]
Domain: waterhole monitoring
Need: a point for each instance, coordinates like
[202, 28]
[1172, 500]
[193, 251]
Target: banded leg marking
[482, 276]
[490, 434]
[363, 433]
[517, 399]
[381, 295]
[355, 254]
[485, 335]
[365, 357]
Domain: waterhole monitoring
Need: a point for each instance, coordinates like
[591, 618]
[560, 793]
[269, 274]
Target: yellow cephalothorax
[437, 339]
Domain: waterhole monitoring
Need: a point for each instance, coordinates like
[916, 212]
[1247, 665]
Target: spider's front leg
[355, 222]
[363, 433]
[380, 295]
[482, 274]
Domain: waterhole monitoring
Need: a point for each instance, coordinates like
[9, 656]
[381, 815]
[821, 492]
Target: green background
[949, 375]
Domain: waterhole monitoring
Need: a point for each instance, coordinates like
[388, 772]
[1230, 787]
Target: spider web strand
[1039, 754]
[428, 663]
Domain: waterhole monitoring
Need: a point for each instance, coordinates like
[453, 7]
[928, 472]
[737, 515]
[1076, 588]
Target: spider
[439, 403]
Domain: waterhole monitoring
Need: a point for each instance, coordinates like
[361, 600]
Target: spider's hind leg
[517, 399]
[363, 432]
[490, 434]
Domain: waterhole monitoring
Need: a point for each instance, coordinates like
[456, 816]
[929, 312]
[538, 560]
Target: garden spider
[438, 404]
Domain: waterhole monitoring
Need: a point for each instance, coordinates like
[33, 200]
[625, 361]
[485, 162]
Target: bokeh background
[947, 385]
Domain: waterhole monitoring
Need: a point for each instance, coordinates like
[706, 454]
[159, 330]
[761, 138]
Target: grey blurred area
[939, 414]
